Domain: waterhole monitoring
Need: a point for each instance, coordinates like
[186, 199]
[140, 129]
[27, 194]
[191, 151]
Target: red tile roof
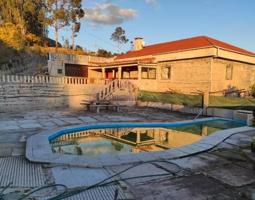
[184, 44]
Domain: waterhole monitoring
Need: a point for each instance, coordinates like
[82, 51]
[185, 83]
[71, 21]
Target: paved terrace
[223, 173]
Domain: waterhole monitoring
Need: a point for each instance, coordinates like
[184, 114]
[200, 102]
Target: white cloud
[151, 2]
[109, 14]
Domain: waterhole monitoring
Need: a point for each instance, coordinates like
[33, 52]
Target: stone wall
[187, 76]
[23, 96]
[243, 75]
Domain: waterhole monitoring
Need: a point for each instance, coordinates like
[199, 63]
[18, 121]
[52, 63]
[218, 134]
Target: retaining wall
[22, 93]
[215, 112]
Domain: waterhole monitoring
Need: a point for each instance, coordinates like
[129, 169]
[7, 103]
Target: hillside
[20, 62]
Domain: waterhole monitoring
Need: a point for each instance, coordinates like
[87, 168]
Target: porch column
[119, 73]
[113, 73]
[139, 72]
[206, 96]
[204, 130]
[138, 137]
[103, 73]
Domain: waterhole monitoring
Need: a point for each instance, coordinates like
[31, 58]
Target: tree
[119, 36]
[104, 53]
[27, 16]
[76, 14]
[58, 15]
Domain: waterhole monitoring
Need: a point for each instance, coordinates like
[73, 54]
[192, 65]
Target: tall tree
[76, 13]
[58, 15]
[119, 36]
[28, 16]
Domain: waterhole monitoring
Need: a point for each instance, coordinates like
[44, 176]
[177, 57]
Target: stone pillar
[138, 137]
[204, 130]
[103, 73]
[206, 96]
[119, 73]
[139, 72]
[113, 73]
[156, 135]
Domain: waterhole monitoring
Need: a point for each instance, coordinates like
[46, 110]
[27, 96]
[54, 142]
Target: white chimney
[138, 43]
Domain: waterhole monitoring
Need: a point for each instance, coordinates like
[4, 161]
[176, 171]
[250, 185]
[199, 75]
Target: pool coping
[38, 148]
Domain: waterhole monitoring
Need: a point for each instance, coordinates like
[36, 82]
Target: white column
[119, 72]
[103, 73]
[139, 72]
[138, 137]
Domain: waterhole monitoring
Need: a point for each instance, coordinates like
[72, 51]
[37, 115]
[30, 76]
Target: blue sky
[157, 21]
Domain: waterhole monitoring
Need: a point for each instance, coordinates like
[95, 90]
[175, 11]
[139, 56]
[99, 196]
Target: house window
[166, 72]
[229, 72]
[148, 73]
[60, 71]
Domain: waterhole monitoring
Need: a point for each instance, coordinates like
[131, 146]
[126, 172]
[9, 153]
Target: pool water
[125, 140]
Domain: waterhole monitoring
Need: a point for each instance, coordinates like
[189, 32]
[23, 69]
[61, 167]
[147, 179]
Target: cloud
[109, 14]
[151, 2]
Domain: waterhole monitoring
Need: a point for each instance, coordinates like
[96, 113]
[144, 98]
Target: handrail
[113, 86]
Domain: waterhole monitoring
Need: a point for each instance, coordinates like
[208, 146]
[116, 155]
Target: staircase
[119, 91]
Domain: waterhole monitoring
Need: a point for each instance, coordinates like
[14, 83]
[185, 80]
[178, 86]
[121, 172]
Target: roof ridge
[185, 44]
[208, 40]
[173, 41]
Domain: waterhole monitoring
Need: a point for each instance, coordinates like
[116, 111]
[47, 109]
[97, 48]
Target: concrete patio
[225, 172]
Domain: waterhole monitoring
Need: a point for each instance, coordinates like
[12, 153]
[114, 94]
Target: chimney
[138, 43]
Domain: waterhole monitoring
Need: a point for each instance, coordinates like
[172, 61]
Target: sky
[158, 21]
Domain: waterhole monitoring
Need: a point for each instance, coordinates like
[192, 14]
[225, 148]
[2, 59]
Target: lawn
[196, 100]
[172, 98]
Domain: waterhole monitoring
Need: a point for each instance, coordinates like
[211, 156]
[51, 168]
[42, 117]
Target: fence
[50, 80]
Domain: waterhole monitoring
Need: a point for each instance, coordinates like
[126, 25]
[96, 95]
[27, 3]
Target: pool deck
[223, 172]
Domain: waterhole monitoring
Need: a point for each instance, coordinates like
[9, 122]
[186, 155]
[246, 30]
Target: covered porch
[132, 71]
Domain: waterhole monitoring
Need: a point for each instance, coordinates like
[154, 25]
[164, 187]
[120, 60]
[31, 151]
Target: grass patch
[232, 102]
[176, 98]
[196, 100]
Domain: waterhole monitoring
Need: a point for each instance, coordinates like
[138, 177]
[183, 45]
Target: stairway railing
[112, 87]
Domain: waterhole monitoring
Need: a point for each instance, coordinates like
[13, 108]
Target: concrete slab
[88, 119]
[121, 118]
[30, 125]
[199, 162]
[71, 120]
[47, 124]
[75, 177]
[58, 121]
[139, 170]
[233, 175]
[5, 151]
[196, 187]
[5, 127]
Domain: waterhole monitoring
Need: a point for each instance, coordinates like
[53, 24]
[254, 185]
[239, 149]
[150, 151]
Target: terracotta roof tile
[184, 44]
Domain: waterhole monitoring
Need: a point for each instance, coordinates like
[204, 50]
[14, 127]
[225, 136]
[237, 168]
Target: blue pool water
[135, 137]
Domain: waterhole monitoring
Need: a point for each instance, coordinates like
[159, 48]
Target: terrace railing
[50, 79]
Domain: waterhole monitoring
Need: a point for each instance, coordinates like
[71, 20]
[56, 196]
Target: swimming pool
[122, 139]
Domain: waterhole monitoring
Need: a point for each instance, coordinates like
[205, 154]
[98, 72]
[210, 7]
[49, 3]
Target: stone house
[188, 65]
